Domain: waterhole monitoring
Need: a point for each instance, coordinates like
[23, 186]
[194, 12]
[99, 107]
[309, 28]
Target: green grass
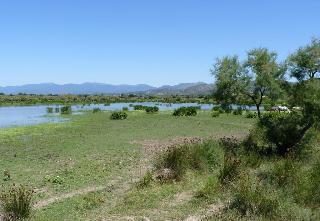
[92, 150]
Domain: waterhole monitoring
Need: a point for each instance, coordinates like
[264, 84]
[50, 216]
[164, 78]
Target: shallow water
[13, 116]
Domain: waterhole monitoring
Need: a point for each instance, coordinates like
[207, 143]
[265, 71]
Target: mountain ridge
[102, 88]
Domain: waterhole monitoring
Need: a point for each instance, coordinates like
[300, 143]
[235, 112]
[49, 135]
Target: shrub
[57, 110]
[285, 131]
[284, 173]
[215, 113]
[218, 108]
[16, 203]
[145, 180]
[66, 110]
[313, 189]
[174, 162]
[210, 188]
[151, 109]
[250, 114]
[49, 110]
[238, 111]
[229, 170]
[230, 144]
[119, 115]
[125, 109]
[185, 111]
[96, 110]
[250, 197]
[138, 107]
[226, 108]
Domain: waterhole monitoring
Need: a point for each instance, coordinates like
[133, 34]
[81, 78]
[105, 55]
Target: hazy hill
[99, 88]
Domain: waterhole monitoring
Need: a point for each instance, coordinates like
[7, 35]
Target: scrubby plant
[96, 110]
[251, 197]
[209, 189]
[125, 109]
[229, 170]
[177, 159]
[251, 114]
[151, 109]
[230, 144]
[284, 173]
[145, 180]
[284, 131]
[138, 107]
[215, 113]
[218, 108]
[57, 110]
[66, 110]
[119, 115]
[16, 203]
[49, 110]
[237, 111]
[185, 111]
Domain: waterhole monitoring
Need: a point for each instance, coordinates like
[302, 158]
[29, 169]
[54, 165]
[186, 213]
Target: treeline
[32, 99]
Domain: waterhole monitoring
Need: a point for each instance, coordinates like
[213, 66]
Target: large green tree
[254, 79]
[304, 64]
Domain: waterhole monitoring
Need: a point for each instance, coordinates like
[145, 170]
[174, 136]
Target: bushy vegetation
[185, 111]
[49, 110]
[151, 109]
[118, 115]
[173, 163]
[16, 203]
[66, 110]
[215, 113]
[96, 110]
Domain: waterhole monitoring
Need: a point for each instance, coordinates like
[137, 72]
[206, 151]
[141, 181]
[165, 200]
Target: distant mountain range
[99, 88]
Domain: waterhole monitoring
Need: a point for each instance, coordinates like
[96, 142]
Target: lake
[12, 116]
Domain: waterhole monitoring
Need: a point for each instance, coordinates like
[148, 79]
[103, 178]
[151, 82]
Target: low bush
[218, 108]
[151, 109]
[146, 180]
[185, 111]
[238, 111]
[57, 110]
[215, 113]
[119, 115]
[138, 107]
[125, 109]
[174, 162]
[16, 203]
[66, 110]
[231, 145]
[49, 110]
[284, 131]
[284, 173]
[250, 114]
[96, 110]
[251, 197]
[229, 170]
[210, 188]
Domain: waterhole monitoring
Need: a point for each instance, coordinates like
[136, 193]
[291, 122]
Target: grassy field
[87, 169]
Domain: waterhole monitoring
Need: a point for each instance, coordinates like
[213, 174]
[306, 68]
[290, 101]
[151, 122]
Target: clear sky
[142, 41]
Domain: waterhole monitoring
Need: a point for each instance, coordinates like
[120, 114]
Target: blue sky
[142, 41]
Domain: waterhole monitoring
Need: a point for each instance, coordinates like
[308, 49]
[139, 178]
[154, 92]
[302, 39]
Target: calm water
[31, 115]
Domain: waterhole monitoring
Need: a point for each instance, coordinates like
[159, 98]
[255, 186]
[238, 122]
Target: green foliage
[125, 109]
[284, 173]
[138, 107]
[146, 180]
[96, 110]
[238, 111]
[215, 113]
[229, 170]
[49, 110]
[218, 108]
[285, 131]
[16, 203]
[251, 114]
[251, 197]
[66, 110]
[118, 115]
[304, 63]
[185, 111]
[151, 109]
[210, 189]
[177, 159]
